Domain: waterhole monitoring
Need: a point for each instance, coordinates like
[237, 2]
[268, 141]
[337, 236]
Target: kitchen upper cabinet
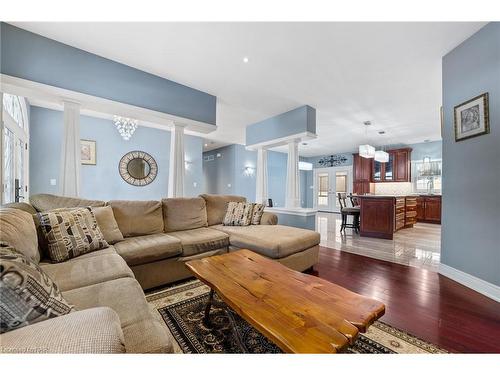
[362, 174]
[397, 169]
[401, 165]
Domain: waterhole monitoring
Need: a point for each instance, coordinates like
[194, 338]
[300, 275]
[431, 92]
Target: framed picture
[472, 118]
[87, 152]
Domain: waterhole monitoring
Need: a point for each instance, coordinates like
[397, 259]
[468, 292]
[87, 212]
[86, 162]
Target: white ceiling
[388, 73]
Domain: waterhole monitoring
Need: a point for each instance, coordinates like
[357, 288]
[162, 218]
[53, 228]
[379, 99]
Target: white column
[261, 177]
[292, 176]
[69, 173]
[177, 167]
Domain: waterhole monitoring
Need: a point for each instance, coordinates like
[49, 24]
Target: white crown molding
[299, 137]
[485, 288]
[53, 97]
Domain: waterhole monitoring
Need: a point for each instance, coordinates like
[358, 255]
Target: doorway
[14, 148]
[327, 183]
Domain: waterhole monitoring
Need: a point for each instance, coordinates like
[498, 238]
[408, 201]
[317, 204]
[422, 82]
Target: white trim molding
[485, 288]
[304, 136]
[53, 97]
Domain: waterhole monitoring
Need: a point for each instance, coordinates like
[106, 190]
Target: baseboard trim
[485, 288]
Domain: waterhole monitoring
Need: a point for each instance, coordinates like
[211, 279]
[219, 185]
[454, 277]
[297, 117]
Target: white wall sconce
[249, 171]
[187, 164]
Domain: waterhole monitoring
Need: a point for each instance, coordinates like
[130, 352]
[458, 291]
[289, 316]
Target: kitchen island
[382, 215]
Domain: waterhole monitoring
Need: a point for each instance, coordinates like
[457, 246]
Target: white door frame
[19, 134]
[331, 193]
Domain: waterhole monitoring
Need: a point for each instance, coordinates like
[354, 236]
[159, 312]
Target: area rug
[182, 309]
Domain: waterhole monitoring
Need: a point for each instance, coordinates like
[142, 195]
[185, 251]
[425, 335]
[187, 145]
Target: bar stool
[348, 211]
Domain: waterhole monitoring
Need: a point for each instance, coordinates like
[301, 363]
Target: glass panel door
[327, 183]
[323, 191]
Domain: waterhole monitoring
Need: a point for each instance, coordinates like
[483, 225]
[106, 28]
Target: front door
[327, 183]
[14, 149]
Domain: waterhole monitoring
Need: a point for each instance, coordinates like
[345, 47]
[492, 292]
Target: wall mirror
[138, 168]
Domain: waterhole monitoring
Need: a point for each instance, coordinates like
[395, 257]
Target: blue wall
[63, 66]
[471, 168]
[296, 121]
[229, 168]
[103, 181]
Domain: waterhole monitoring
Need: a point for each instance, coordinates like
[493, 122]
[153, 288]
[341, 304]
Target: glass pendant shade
[381, 156]
[367, 151]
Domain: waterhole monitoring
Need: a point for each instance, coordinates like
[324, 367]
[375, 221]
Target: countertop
[395, 195]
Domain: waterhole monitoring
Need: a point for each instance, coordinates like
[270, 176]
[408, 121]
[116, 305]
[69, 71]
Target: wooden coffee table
[298, 312]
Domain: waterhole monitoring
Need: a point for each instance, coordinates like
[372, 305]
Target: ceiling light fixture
[366, 151]
[245, 59]
[125, 126]
[381, 156]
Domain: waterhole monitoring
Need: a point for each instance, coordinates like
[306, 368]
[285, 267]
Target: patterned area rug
[182, 309]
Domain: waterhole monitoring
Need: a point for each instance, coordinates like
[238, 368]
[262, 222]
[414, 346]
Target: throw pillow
[68, 234]
[107, 223]
[238, 214]
[28, 295]
[258, 211]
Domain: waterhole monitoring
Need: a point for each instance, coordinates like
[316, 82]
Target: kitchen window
[426, 176]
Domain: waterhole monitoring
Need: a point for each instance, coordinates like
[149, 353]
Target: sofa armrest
[268, 218]
[95, 330]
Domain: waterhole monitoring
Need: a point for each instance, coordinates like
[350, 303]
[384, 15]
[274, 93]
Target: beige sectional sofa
[106, 286]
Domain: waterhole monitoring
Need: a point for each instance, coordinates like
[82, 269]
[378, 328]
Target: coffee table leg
[206, 319]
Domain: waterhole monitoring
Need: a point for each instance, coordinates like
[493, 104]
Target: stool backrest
[342, 200]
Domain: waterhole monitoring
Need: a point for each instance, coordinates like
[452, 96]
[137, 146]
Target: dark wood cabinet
[401, 165]
[397, 169]
[377, 217]
[362, 171]
[429, 209]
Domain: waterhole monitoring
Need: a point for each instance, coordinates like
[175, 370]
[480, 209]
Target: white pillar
[69, 173]
[177, 167]
[292, 176]
[261, 177]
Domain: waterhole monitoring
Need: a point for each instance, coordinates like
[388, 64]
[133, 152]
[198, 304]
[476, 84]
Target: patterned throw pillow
[258, 211]
[68, 234]
[27, 294]
[238, 214]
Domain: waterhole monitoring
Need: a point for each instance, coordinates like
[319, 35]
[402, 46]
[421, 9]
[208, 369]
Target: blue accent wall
[36, 58]
[471, 172]
[298, 120]
[103, 181]
[229, 168]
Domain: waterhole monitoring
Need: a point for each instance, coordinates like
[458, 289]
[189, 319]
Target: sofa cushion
[88, 269]
[238, 214]
[147, 249]
[258, 211]
[23, 206]
[141, 330]
[68, 234]
[184, 213]
[107, 222]
[28, 295]
[201, 240]
[273, 241]
[91, 331]
[47, 202]
[17, 229]
[138, 218]
[217, 206]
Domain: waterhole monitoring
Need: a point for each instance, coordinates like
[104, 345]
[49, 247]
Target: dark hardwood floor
[420, 302]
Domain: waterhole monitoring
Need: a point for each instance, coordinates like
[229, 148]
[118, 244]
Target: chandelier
[125, 126]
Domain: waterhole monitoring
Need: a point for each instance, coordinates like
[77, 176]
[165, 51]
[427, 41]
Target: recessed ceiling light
[367, 123]
[381, 132]
[245, 59]
[304, 143]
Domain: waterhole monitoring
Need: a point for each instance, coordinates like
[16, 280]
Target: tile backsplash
[393, 188]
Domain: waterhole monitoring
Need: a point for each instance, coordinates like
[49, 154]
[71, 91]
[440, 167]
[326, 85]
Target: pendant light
[366, 151]
[381, 156]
